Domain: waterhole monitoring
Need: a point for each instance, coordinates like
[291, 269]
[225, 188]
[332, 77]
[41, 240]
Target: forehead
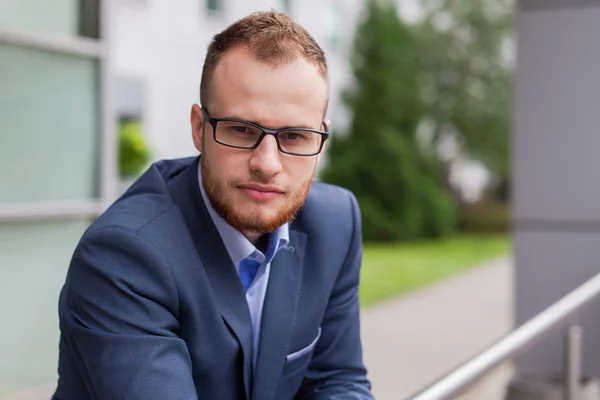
[275, 95]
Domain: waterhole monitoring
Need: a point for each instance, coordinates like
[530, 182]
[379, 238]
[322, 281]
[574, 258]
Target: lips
[261, 192]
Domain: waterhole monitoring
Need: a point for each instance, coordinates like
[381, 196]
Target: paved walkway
[411, 341]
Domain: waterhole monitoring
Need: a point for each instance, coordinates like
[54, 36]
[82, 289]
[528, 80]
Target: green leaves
[398, 184]
[133, 152]
[450, 69]
[465, 65]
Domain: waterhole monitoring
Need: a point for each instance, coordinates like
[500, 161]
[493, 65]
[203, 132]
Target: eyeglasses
[247, 135]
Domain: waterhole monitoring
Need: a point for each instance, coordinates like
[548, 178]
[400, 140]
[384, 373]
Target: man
[229, 275]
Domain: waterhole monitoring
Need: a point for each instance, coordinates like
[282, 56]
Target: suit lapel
[278, 318]
[224, 280]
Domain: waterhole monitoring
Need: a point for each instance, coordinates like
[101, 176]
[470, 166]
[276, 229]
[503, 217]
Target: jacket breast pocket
[299, 359]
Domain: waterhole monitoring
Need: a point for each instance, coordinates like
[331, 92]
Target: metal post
[573, 362]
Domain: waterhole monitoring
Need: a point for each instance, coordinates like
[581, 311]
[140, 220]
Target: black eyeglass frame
[265, 131]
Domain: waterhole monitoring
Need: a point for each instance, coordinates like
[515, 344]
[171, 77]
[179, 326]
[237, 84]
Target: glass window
[34, 258]
[134, 151]
[48, 126]
[54, 17]
[333, 24]
[284, 6]
[58, 17]
[214, 5]
[89, 18]
[129, 98]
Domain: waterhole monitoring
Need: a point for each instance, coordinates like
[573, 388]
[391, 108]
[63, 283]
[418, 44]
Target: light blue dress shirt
[240, 248]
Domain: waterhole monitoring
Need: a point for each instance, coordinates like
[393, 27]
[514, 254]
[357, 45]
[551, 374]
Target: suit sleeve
[336, 371]
[119, 317]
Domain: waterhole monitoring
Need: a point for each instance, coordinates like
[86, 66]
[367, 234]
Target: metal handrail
[520, 339]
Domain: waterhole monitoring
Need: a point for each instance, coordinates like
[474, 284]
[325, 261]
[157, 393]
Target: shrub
[133, 151]
[486, 217]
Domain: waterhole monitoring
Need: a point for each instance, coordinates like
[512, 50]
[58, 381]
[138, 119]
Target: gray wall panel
[556, 163]
[557, 115]
[551, 264]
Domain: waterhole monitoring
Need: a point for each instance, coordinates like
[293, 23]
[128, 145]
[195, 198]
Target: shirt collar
[237, 245]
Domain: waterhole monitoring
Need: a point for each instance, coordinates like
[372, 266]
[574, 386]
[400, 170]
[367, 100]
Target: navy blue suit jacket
[152, 307]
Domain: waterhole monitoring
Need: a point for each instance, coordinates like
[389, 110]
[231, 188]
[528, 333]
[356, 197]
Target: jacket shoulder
[325, 197]
[145, 200]
[329, 207]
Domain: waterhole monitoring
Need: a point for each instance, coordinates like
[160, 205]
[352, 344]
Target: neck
[259, 240]
[253, 236]
[263, 243]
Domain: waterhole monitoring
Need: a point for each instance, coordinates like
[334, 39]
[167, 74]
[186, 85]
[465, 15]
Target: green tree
[465, 73]
[396, 178]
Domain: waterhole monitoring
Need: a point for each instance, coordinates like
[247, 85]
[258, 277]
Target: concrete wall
[556, 165]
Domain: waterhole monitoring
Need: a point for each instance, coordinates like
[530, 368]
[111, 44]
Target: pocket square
[302, 352]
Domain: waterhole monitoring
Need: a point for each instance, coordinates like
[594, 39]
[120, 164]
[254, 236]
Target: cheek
[222, 161]
[301, 171]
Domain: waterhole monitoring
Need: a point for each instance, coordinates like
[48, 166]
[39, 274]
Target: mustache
[257, 180]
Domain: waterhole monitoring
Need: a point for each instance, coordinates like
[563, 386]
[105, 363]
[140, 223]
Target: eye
[293, 136]
[241, 129]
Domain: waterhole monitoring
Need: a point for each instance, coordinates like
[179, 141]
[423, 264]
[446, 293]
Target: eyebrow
[301, 126]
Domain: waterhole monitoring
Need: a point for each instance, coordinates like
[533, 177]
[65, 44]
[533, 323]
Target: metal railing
[530, 333]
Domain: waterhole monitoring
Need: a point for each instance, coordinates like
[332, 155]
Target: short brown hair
[273, 37]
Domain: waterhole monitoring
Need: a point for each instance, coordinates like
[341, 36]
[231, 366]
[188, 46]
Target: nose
[265, 159]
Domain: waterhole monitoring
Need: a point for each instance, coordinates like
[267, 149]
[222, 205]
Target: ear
[197, 123]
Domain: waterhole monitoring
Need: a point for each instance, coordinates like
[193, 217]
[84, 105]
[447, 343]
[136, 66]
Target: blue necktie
[248, 269]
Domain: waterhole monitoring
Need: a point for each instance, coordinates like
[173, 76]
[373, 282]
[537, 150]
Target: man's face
[258, 190]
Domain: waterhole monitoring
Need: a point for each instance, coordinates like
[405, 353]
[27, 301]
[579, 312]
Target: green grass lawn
[389, 270]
